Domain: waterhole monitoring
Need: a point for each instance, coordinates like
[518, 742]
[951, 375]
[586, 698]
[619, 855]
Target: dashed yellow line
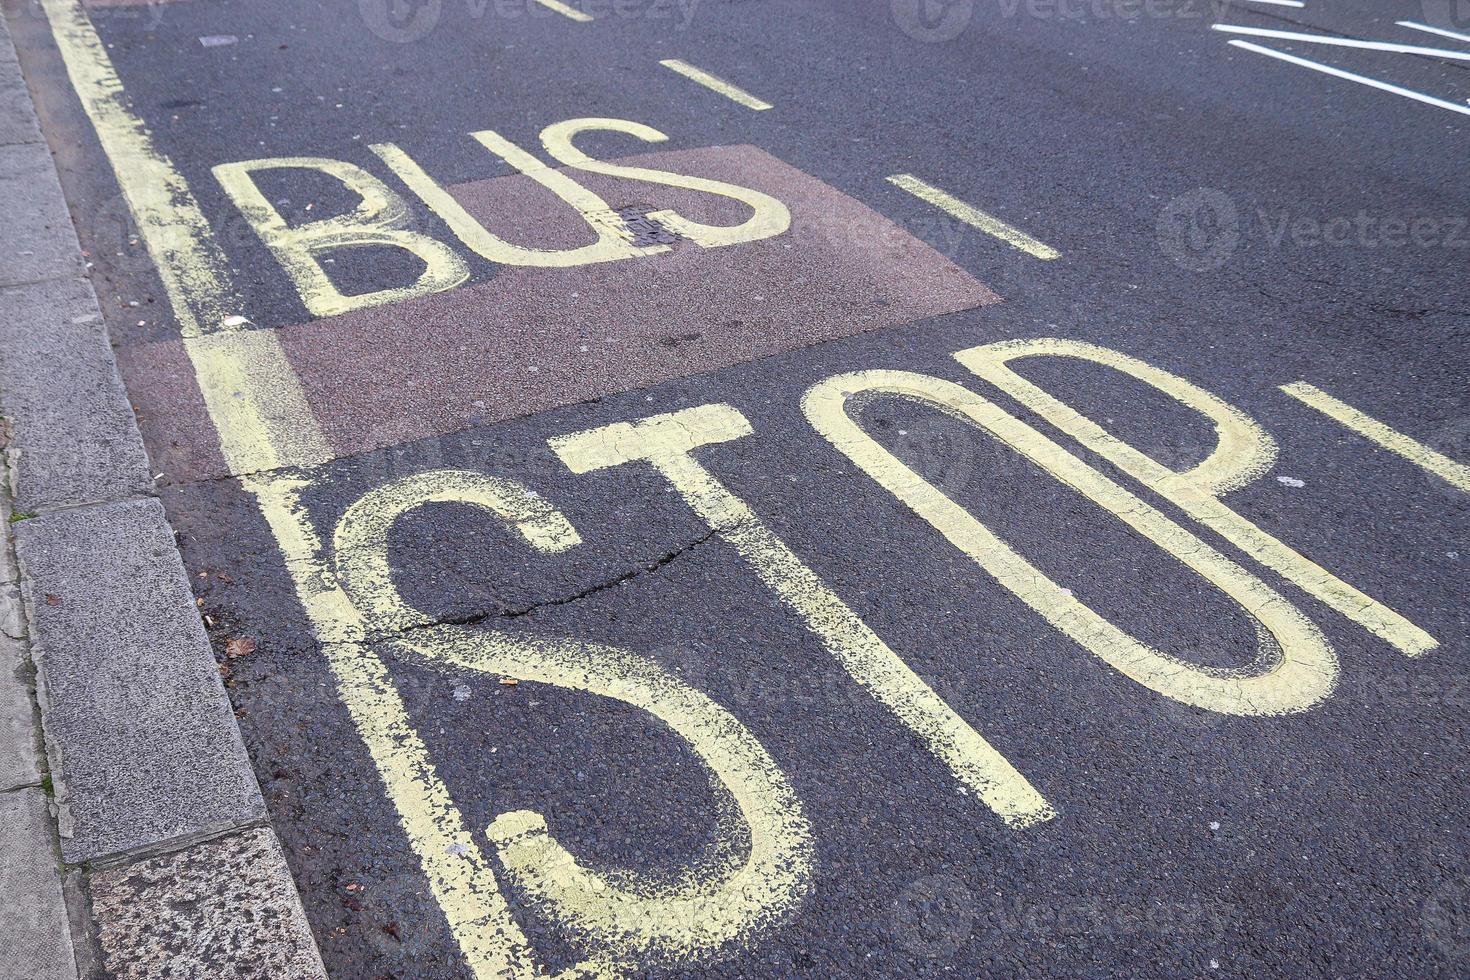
[732, 92]
[565, 10]
[973, 216]
[1456, 474]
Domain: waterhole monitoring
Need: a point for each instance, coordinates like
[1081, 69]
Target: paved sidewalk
[32, 911]
[122, 770]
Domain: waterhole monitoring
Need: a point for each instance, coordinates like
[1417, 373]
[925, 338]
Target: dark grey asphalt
[1329, 843]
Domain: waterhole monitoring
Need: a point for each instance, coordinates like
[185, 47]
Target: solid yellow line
[178, 238]
[254, 399]
[463, 882]
[264, 421]
[973, 216]
[1456, 474]
[565, 11]
[731, 92]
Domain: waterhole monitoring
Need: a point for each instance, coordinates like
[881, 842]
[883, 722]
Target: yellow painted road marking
[462, 880]
[174, 230]
[732, 92]
[614, 238]
[633, 916]
[667, 442]
[1295, 667]
[254, 399]
[566, 11]
[1243, 453]
[1453, 473]
[381, 220]
[973, 216]
[769, 216]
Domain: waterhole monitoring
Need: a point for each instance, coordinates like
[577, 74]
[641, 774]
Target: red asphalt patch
[530, 339]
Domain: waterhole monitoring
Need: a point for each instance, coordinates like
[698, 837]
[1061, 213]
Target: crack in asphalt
[517, 612]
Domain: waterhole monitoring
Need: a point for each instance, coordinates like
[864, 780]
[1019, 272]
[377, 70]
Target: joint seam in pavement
[48, 510]
[161, 848]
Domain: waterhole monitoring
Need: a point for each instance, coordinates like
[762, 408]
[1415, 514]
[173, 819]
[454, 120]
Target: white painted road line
[1344, 42]
[1456, 474]
[1360, 79]
[565, 10]
[1434, 30]
[973, 217]
[732, 92]
[1274, 3]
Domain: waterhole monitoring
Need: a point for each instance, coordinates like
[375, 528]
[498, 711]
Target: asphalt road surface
[1094, 650]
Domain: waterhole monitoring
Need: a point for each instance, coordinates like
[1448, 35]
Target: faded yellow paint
[1295, 667]
[769, 218]
[1243, 452]
[381, 218]
[973, 216]
[264, 422]
[715, 84]
[635, 919]
[361, 544]
[1430, 460]
[614, 238]
[261, 426]
[190, 265]
[667, 442]
[462, 880]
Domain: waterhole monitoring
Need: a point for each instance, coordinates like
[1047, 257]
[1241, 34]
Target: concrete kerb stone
[225, 909]
[20, 743]
[73, 436]
[40, 240]
[17, 118]
[143, 743]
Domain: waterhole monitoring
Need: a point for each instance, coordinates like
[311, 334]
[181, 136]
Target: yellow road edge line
[715, 84]
[1422, 456]
[260, 426]
[973, 216]
[193, 270]
[255, 401]
[566, 11]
